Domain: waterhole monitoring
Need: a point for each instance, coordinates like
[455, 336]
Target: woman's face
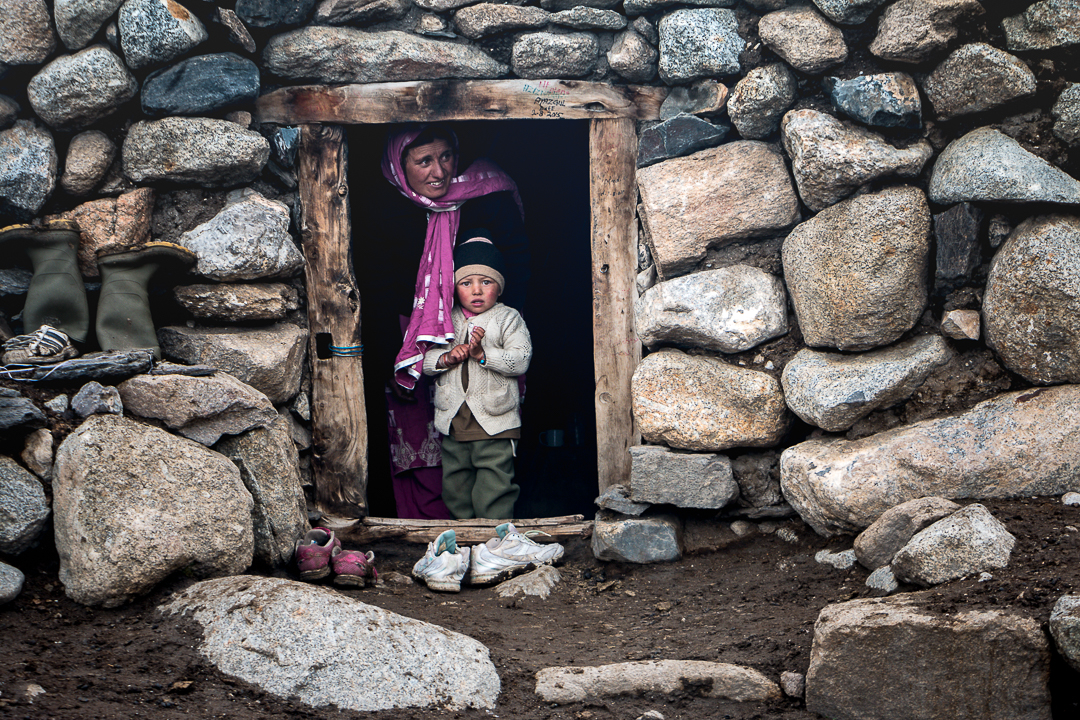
[428, 168]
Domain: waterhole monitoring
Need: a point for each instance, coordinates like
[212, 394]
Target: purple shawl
[434, 294]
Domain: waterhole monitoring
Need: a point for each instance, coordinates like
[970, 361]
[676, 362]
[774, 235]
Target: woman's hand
[476, 350]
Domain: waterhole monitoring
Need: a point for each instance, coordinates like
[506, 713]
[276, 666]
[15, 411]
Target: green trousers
[478, 478]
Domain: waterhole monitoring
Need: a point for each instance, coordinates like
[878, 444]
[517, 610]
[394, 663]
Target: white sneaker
[444, 564]
[507, 555]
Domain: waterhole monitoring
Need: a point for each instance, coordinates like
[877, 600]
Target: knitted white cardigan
[493, 392]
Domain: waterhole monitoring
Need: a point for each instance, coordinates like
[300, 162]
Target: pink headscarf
[433, 298]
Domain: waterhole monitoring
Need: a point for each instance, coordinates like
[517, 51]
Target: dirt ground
[752, 603]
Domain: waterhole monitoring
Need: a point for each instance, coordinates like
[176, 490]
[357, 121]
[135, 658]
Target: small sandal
[44, 345]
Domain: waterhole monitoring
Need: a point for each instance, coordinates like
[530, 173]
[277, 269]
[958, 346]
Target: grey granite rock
[856, 271]
[876, 545]
[1030, 310]
[360, 12]
[760, 99]
[11, 582]
[477, 21]
[848, 12]
[952, 665]
[89, 156]
[986, 165]
[94, 398]
[966, 542]
[199, 151]
[348, 55]
[696, 402]
[834, 391]
[699, 43]
[1066, 112]
[200, 408]
[831, 159]
[27, 33]
[1044, 25]
[134, 504]
[641, 540]
[803, 38]
[975, 78]
[1065, 628]
[633, 57]
[247, 240]
[347, 655]
[591, 684]
[661, 476]
[76, 90]
[153, 32]
[729, 310]
[23, 508]
[28, 163]
[586, 18]
[77, 21]
[238, 302]
[914, 31]
[552, 55]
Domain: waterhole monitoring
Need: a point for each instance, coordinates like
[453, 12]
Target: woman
[418, 228]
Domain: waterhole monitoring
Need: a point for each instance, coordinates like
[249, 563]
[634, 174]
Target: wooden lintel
[613, 149]
[338, 416]
[373, 529]
[444, 100]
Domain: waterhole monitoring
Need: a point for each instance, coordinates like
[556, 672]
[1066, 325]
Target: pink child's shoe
[313, 553]
[352, 567]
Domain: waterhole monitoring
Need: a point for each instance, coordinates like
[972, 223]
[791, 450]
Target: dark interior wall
[549, 161]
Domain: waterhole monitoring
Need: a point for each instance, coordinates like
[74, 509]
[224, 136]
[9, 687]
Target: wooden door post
[613, 149]
[338, 416]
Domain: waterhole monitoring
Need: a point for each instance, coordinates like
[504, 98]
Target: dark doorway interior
[549, 161]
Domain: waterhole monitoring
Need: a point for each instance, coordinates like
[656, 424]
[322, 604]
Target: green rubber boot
[57, 295]
[123, 315]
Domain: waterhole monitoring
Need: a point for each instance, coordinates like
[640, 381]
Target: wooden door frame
[339, 422]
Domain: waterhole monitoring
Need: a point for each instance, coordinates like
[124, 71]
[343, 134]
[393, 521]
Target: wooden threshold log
[442, 100]
[339, 436]
[373, 529]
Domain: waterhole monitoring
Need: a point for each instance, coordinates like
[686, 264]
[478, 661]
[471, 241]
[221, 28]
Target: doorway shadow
[556, 463]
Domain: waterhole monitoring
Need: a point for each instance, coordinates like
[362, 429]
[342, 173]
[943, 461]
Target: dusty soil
[752, 602]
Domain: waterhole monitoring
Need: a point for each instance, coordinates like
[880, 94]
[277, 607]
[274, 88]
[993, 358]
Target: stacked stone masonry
[858, 225]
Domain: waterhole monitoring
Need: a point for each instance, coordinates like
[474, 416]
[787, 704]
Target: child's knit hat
[476, 255]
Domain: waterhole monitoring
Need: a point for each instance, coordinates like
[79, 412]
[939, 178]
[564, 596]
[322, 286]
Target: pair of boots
[56, 297]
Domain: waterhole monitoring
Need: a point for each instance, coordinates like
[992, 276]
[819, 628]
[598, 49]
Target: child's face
[477, 293]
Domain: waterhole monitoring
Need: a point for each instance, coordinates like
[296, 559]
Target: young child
[476, 391]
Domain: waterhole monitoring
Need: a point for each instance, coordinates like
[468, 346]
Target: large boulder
[134, 504]
[1016, 444]
[712, 198]
[731, 309]
[1031, 310]
[697, 402]
[900, 659]
[857, 271]
[331, 651]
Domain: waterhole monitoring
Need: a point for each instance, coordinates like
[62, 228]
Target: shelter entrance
[556, 457]
[342, 416]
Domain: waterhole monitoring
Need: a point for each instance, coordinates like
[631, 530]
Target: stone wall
[857, 215]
